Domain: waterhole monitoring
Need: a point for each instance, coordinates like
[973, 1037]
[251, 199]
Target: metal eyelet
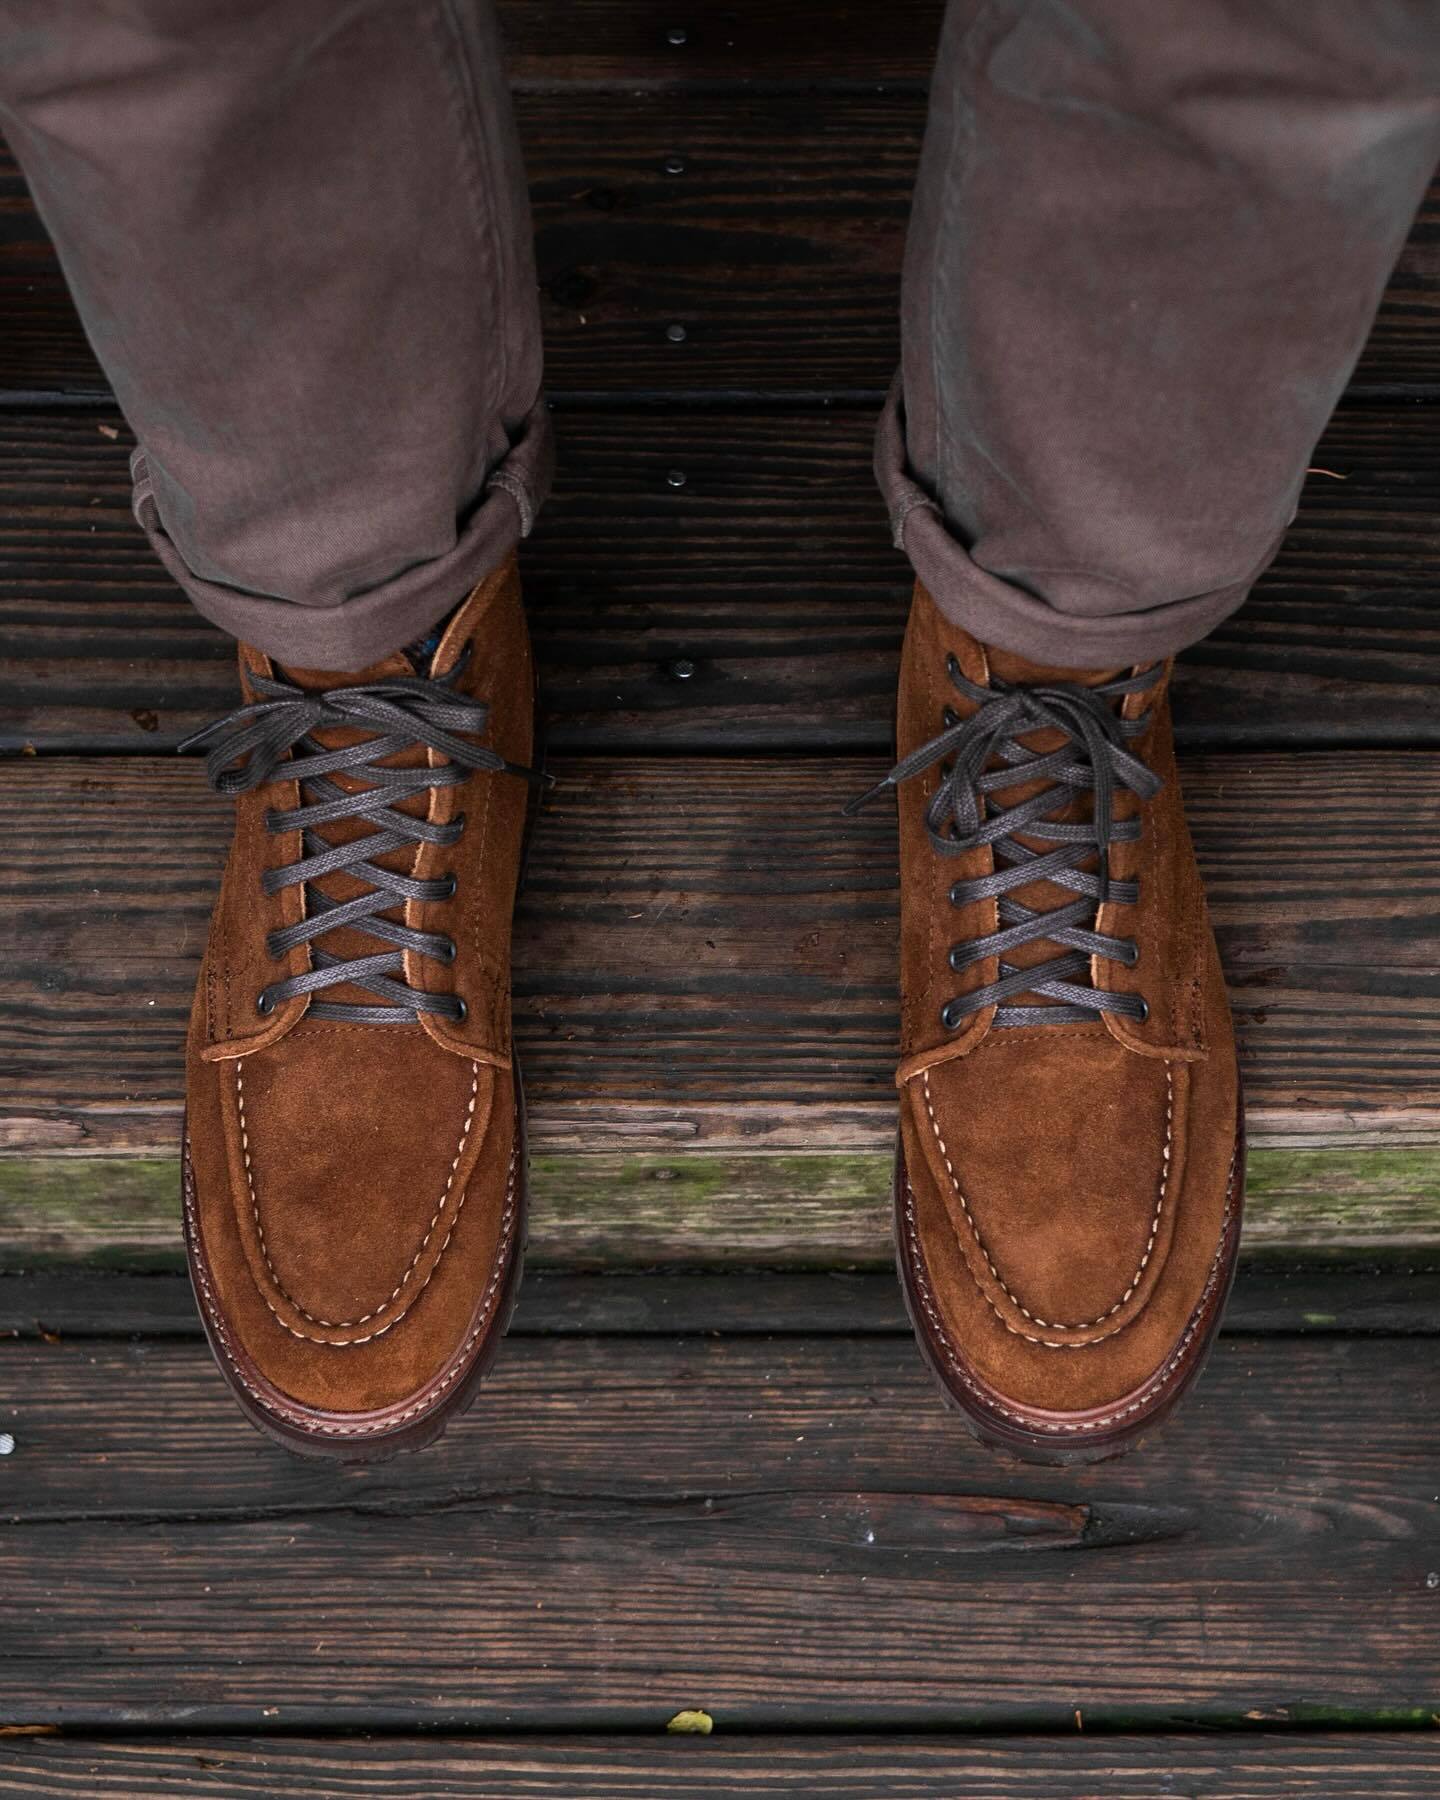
[458, 822]
[1134, 955]
[950, 716]
[947, 1016]
[449, 952]
[464, 1012]
[265, 1002]
[452, 886]
[952, 667]
[1144, 1010]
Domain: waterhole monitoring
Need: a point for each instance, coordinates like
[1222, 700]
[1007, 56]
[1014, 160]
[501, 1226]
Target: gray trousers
[1148, 240]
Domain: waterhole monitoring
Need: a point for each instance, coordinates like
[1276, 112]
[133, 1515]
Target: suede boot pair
[1068, 1178]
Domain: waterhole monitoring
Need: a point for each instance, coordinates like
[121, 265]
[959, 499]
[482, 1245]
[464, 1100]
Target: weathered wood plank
[1392, 1297]
[778, 247]
[791, 636]
[723, 910]
[1238, 1766]
[792, 1532]
[637, 1418]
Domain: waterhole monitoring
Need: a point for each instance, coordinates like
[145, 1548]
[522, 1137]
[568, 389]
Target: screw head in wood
[676, 333]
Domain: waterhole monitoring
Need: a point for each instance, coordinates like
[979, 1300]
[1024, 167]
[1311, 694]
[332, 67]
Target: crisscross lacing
[982, 754]
[272, 738]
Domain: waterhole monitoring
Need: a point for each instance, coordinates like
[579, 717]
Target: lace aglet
[540, 779]
[851, 807]
[194, 741]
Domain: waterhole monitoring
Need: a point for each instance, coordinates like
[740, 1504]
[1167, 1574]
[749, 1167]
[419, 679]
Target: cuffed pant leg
[298, 236]
[1147, 246]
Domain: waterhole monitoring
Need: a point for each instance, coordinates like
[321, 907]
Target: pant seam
[962, 130]
[485, 198]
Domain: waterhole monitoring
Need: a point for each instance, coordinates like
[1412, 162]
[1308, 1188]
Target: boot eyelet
[448, 951]
[452, 886]
[951, 717]
[264, 1002]
[464, 1012]
[948, 1017]
[1134, 956]
[1144, 1010]
[952, 667]
[458, 822]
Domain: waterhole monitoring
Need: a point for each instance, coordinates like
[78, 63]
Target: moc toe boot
[1070, 1163]
[354, 1174]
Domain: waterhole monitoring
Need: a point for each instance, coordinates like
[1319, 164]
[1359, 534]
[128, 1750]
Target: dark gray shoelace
[272, 739]
[963, 816]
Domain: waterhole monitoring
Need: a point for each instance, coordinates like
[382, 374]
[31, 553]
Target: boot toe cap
[1066, 1211]
[353, 1259]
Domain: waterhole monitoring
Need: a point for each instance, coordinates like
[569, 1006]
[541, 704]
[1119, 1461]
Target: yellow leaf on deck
[699, 1722]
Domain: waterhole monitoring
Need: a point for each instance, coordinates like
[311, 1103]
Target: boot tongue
[318, 681]
[1020, 673]
[413, 659]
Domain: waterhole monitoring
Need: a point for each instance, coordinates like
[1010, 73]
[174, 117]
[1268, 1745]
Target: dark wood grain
[630, 44]
[1392, 1298]
[640, 1515]
[778, 248]
[707, 931]
[1236, 1766]
[790, 1532]
[769, 574]
[124, 1431]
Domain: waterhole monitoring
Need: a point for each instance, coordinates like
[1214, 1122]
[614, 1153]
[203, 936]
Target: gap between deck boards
[1394, 1296]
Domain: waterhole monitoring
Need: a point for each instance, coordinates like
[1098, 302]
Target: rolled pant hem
[364, 627]
[998, 612]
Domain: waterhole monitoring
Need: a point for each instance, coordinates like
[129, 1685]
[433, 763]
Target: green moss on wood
[795, 1210]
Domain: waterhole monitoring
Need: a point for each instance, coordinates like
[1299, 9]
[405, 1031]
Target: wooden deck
[710, 1473]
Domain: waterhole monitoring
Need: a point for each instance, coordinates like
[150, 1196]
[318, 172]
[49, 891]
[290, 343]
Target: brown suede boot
[355, 1156]
[1070, 1166]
